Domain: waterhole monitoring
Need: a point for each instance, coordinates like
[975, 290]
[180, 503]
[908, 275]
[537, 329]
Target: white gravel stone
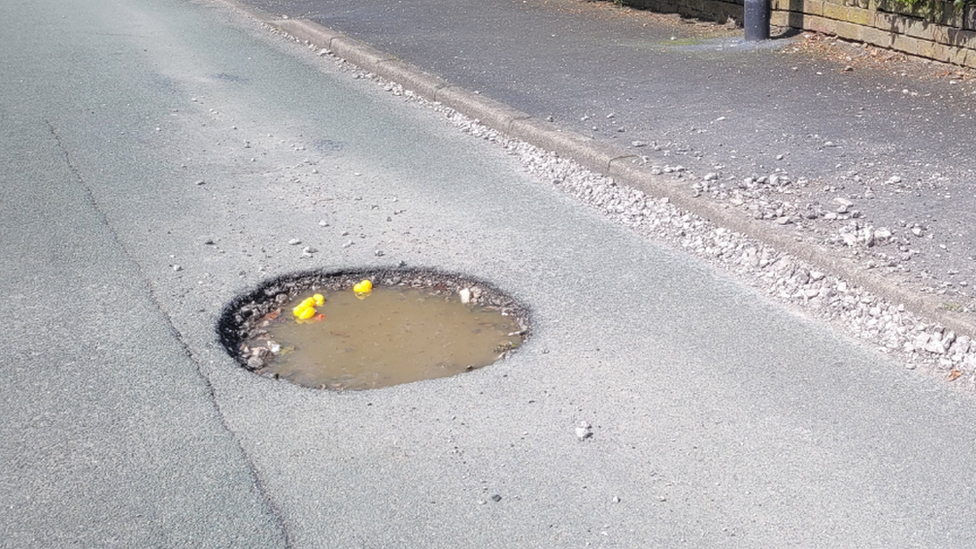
[936, 346]
[583, 431]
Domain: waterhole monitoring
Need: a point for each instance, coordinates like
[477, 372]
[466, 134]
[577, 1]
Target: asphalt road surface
[159, 155]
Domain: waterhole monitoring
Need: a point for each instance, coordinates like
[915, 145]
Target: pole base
[756, 19]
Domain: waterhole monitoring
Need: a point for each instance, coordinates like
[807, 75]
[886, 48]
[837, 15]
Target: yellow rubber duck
[306, 309]
[363, 288]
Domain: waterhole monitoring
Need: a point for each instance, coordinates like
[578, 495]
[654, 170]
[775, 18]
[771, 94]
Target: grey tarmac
[713, 416]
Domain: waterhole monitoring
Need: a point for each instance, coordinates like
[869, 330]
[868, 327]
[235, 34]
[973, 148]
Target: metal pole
[756, 19]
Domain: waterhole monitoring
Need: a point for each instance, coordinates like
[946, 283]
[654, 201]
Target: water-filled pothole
[316, 330]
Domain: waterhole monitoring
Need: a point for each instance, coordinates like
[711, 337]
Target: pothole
[337, 331]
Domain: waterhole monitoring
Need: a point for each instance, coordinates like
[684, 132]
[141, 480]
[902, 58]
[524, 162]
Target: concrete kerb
[358, 53]
[594, 155]
[307, 31]
[619, 163]
[487, 111]
[410, 77]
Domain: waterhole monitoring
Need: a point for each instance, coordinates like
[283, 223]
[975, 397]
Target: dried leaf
[954, 375]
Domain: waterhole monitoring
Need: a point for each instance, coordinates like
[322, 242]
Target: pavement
[159, 156]
[880, 138]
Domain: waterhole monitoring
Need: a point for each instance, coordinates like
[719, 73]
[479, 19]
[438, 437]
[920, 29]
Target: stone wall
[935, 29]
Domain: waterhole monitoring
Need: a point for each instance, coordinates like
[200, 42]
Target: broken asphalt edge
[606, 159]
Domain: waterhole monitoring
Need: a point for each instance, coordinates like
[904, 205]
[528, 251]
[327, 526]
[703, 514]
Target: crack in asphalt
[184, 345]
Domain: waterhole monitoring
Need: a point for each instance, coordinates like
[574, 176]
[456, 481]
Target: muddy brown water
[391, 336]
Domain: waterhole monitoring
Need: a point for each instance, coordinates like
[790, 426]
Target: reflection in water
[395, 335]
